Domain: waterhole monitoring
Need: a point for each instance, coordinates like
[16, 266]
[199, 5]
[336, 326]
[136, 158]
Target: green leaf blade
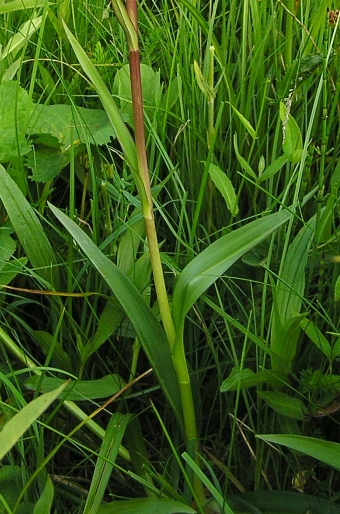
[79, 390]
[325, 451]
[105, 462]
[148, 329]
[283, 404]
[209, 265]
[225, 187]
[28, 229]
[146, 506]
[18, 425]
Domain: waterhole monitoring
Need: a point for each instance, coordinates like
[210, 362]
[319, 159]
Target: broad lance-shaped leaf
[28, 229]
[44, 504]
[292, 142]
[17, 5]
[209, 265]
[145, 323]
[79, 390]
[146, 506]
[325, 451]
[288, 296]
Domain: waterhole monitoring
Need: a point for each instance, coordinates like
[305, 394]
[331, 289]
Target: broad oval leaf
[71, 125]
[283, 404]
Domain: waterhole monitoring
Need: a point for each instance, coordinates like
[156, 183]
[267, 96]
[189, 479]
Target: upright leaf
[145, 323]
[105, 462]
[292, 141]
[317, 337]
[44, 504]
[29, 230]
[123, 135]
[289, 290]
[15, 108]
[225, 187]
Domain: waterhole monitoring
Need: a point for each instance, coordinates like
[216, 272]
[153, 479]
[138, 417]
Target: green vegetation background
[241, 104]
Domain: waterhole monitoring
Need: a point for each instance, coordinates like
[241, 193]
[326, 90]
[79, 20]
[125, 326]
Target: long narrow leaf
[325, 451]
[288, 297]
[44, 504]
[18, 425]
[123, 135]
[146, 506]
[107, 456]
[28, 229]
[18, 5]
[148, 329]
[225, 509]
[291, 282]
[209, 265]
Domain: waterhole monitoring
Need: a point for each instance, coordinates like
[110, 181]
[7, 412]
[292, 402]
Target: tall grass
[241, 107]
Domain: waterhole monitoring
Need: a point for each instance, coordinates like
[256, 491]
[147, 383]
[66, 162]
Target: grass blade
[123, 135]
[28, 229]
[18, 425]
[211, 488]
[107, 456]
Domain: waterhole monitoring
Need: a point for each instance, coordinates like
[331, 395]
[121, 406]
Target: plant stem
[128, 19]
[179, 357]
[289, 32]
